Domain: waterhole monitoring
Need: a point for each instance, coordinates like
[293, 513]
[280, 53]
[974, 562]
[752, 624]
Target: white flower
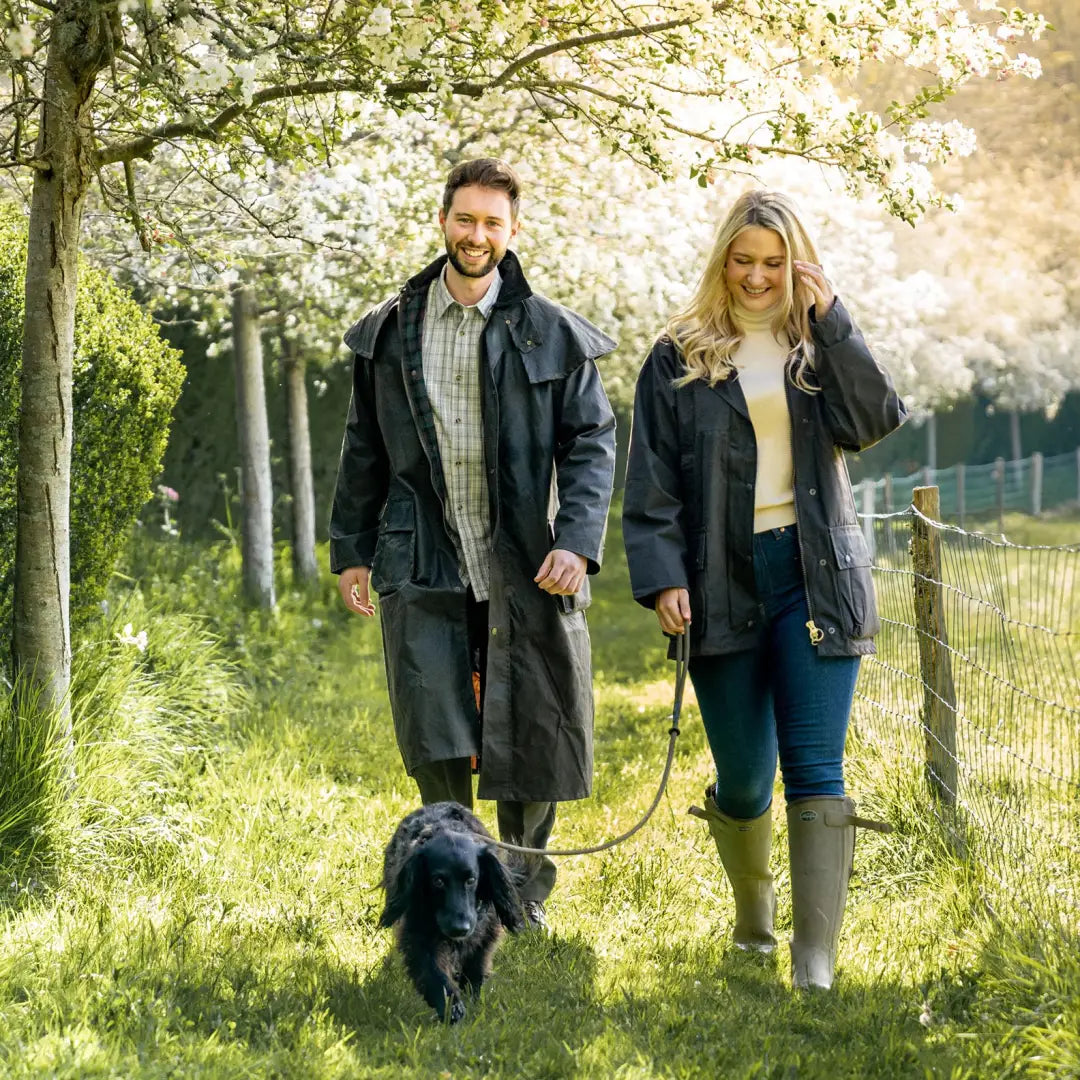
[378, 22]
[128, 637]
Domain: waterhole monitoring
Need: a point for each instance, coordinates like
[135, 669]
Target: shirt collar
[441, 299]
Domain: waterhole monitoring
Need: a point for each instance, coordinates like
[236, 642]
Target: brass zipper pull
[816, 633]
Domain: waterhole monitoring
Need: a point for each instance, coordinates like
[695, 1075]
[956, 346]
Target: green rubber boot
[821, 845]
[743, 846]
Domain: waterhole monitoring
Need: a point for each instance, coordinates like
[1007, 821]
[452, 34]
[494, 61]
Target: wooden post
[935, 661]
[1036, 483]
[961, 469]
[868, 514]
[887, 495]
[999, 479]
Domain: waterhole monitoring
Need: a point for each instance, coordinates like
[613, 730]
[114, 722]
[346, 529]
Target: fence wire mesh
[980, 705]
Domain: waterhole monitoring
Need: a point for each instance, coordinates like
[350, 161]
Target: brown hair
[487, 173]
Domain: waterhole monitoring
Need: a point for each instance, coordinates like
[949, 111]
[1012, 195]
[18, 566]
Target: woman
[740, 524]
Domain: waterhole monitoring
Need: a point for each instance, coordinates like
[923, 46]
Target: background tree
[237, 86]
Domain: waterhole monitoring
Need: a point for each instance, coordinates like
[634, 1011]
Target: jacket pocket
[854, 584]
[578, 601]
[395, 549]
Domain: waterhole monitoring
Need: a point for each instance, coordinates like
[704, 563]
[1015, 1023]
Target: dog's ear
[496, 887]
[400, 888]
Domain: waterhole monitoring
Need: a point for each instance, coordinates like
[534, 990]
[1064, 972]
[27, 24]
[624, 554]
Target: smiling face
[477, 229]
[756, 268]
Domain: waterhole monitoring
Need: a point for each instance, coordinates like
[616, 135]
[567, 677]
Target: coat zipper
[817, 635]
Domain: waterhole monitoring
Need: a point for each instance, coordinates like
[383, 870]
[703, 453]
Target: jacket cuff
[835, 327]
[358, 549]
[592, 553]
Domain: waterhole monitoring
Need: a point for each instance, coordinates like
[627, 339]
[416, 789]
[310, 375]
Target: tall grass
[213, 903]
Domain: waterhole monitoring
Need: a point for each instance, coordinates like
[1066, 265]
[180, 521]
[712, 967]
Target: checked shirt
[451, 363]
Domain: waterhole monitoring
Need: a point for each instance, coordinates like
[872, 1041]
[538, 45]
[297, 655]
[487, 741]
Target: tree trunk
[300, 478]
[257, 528]
[80, 39]
[1016, 446]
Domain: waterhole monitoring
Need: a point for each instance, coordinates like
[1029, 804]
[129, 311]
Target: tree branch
[586, 39]
[144, 145]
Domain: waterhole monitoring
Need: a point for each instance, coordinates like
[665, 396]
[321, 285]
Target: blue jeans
[780, 696]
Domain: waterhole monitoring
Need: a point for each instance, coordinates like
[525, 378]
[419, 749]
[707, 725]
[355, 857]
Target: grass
[207, 906]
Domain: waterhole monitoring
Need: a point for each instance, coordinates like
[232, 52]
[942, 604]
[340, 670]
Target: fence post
[999, 480]
[868, 486]
[927, 475]
[935, 661]
[961, 469]
[1036, 483]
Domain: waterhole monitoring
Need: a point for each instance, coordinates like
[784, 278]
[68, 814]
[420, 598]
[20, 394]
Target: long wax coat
[549, 439]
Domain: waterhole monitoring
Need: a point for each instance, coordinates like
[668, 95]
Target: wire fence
[1029, 485]
[975, 696]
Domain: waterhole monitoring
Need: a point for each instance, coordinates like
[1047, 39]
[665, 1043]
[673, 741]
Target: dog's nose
[459, 930]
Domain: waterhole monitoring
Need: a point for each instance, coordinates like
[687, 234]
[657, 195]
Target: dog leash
[682, 658]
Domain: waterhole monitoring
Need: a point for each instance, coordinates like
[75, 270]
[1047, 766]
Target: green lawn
[206, 903]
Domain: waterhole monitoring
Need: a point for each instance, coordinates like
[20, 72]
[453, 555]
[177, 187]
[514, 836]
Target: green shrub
[126, 382]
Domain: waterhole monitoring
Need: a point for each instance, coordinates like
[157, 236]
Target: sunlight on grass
[211, 910]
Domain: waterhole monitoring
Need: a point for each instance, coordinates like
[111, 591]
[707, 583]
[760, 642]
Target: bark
[1016, 446]
[81, 38]
[257, 527]
[300, 479]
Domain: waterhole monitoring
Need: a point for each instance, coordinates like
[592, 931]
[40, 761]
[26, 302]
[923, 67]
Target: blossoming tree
[98, 86]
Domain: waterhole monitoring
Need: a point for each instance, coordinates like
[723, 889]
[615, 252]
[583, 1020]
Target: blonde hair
[706, 331]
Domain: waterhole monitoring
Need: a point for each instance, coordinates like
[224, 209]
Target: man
[472, 495]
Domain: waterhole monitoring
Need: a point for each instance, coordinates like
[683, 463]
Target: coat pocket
[854, 583]
[395, 549]
[578, 601]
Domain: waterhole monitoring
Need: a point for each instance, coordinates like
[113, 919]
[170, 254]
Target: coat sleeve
[861, 404]
[584, 464]
[362, 479]
[653, 516]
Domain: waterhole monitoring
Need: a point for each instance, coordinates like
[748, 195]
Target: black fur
[448, 896]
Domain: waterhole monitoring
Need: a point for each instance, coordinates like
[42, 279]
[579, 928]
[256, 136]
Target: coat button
[813, 491]
[494, 631]
[528, 342]
[821, 562]
[832, 629]
[414, 373]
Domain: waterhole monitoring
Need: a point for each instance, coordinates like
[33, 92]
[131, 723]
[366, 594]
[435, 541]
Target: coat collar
[730, 389]
[513, 290]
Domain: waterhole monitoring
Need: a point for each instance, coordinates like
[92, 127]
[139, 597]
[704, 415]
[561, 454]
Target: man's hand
[673, 610]
[562, 573]
[353, 586]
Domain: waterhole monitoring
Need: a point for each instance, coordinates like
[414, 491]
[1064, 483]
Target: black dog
[449, 896]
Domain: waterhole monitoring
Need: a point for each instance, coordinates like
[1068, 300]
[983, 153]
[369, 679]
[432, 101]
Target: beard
[473, 270]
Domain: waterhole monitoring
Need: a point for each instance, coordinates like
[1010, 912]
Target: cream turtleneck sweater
[760, 360]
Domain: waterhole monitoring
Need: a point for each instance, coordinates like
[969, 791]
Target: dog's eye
[471, 879]
[438, 882]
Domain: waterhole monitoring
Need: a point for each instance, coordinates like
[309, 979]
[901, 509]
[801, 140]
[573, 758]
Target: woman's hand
[813, 277]
[673, 610]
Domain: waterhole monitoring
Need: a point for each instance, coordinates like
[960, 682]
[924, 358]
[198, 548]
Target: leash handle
[682, 666]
